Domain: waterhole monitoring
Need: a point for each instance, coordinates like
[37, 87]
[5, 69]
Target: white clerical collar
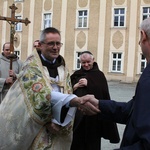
[51, 62]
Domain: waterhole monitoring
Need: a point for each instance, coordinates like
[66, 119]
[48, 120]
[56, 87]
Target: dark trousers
[81, 144]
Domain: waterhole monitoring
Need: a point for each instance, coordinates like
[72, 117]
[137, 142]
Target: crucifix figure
[13, 21]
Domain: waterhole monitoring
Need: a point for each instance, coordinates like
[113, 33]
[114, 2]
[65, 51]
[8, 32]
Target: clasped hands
[88, 104]
[81, 83]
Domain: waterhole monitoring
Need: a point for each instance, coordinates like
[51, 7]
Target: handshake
[88, 104]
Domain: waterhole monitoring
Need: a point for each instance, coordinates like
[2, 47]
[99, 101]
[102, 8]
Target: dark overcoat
[135, 114]
[90, 128]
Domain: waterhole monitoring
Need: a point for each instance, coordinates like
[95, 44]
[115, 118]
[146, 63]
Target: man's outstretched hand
[87, 104]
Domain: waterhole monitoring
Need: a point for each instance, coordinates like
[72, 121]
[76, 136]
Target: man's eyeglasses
[52, 44]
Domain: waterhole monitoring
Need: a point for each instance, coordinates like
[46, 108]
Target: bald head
[6, 49]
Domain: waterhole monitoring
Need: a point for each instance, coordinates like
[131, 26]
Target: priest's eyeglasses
[52, 44]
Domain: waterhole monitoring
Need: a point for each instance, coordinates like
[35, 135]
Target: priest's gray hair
[46, 31]
[145, 26]
[86, 52]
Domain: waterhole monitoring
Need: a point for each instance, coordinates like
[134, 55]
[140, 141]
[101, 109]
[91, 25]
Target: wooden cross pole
[13, 21]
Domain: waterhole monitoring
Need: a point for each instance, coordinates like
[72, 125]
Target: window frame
[83, 18]
[147, 14]
[113, 17]
[112, 60]
[18, 53]
[76, 60]
[18, 25]
[43, 20]
[142, 61]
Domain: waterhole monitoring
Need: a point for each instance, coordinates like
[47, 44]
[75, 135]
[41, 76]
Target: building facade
[107, 28]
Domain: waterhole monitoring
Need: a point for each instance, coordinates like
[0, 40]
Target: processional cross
[13, 21]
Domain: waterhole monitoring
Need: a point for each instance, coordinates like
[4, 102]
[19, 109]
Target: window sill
[121, 28]
[81, 29]
[19, 1]
[18, 31]
[116, 73]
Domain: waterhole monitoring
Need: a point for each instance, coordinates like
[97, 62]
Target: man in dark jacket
[135, 113]
[88, 130]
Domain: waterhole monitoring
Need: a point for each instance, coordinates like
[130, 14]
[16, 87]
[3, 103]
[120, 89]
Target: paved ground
[119, 92]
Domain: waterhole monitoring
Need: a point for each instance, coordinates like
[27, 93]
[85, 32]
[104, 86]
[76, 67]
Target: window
[47, 20]
[82, 18]
[77, 60]
[146, 12]
[17, 53]
[119, 17]
[116, 62]
[143, 63]
[18, 25]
